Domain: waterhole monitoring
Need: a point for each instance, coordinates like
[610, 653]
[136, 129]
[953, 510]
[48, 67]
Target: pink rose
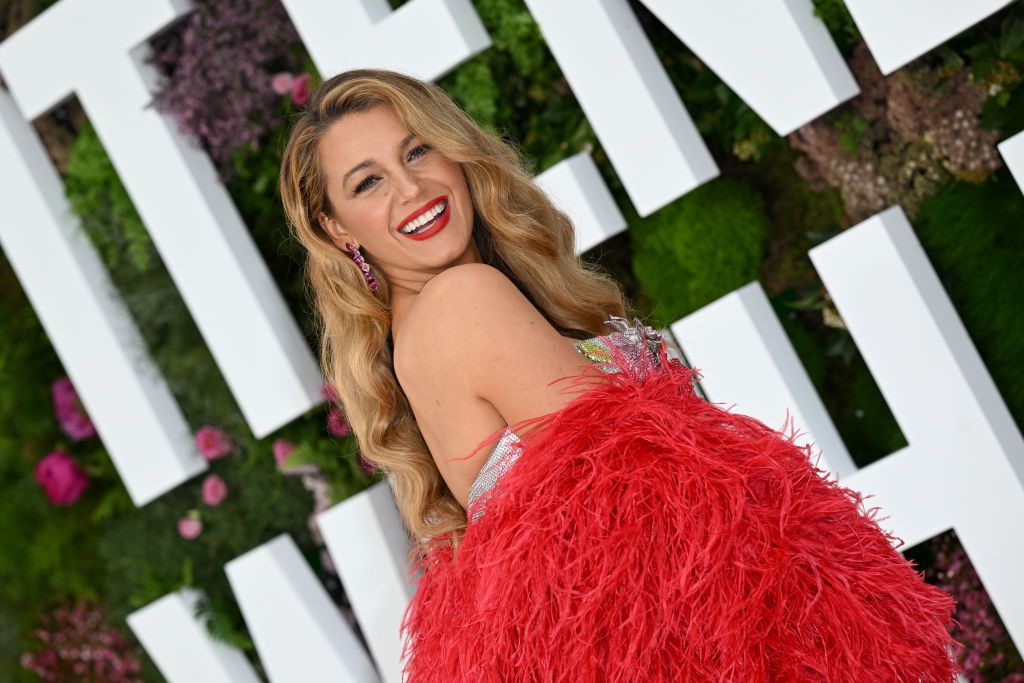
[337, 425]
[69, 411]
[61, 478]
[365, 465]
[282, 83]
[213, 443]
[328, 392]
[214, 490]
[190, 526]
[300, 89]
[282, 449]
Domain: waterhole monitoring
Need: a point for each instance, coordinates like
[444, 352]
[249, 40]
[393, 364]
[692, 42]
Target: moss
[972, 236]
[105, 211]
[700, 247]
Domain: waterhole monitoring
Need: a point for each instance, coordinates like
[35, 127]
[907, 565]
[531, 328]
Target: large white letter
[96, 48]
[424, 38]
[298, 631]
[773, 53]
[900, 32]
[181, 646]
[375, 578]
[746, 358]
[103, 353]
[964, 465]
[627, 97]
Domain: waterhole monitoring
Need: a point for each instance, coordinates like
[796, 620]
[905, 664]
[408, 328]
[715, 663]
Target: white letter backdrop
[964, 467]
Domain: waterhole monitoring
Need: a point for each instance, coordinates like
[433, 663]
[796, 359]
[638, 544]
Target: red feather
[645, 534]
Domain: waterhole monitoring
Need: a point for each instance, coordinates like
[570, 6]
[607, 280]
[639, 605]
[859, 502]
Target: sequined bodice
[631, 339]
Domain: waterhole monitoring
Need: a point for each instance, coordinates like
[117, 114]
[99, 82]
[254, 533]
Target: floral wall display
[77, 556]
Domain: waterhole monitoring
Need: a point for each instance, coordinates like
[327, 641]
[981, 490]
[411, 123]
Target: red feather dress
[640, 533]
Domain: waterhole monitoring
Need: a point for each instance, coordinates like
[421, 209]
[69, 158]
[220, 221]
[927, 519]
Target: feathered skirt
[645, 534]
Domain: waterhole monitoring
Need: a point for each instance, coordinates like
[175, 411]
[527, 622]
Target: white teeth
[413, 225]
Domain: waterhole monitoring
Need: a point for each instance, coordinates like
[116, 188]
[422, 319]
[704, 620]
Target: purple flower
[79, 644]
[217, 63]
[69, 411]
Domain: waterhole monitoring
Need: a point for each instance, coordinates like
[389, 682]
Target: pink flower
[300, 89]
[328, 392]
[281, 83]
[61, 478]
[213, 443]
[282, 449]
[69, 410]
[365, 465]
[337, 425]
[214, 490]
[190, 526]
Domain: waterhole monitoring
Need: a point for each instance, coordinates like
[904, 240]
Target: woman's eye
[367, 184]
[423, 147]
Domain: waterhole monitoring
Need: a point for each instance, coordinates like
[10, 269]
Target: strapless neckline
[631, 338]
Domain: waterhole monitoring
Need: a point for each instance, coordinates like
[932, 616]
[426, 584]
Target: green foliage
[994, 52]
[517, 90]
[852, 127]
[725, 121]
[27, 368]
[337, 460]
[172, 340]
[47, 553]
[253, 188]
[100, 201]
[146, 557]
[104, 547]
[757, 221]
[699, 248]
[977, 252]
[839, 23]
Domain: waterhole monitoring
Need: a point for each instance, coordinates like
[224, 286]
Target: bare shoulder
[475, 355]
[475, 330]
[468, 291]
[463, 312]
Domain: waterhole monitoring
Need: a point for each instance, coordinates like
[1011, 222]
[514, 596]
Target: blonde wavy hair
[516, 229]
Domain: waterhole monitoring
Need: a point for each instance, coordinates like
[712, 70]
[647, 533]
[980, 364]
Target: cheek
[457, 181]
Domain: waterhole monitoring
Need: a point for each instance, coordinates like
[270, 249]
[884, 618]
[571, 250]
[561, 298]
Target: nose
[408, 185]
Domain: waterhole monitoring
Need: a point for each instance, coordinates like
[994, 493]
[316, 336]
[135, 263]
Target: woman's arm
[472, 334]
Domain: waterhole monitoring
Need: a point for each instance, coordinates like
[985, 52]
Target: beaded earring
[357, 256]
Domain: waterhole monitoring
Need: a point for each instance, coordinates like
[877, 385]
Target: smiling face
[380, 177]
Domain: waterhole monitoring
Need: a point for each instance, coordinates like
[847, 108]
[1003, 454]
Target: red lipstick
[438, 223]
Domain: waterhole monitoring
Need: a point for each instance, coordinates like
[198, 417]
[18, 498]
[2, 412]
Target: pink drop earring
[357, 256]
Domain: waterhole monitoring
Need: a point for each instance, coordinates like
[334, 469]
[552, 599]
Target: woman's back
[474, 355]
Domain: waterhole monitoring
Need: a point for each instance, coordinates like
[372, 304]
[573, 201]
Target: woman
[579, 512]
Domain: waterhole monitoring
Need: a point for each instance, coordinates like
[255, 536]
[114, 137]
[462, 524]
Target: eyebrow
[370, 162]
